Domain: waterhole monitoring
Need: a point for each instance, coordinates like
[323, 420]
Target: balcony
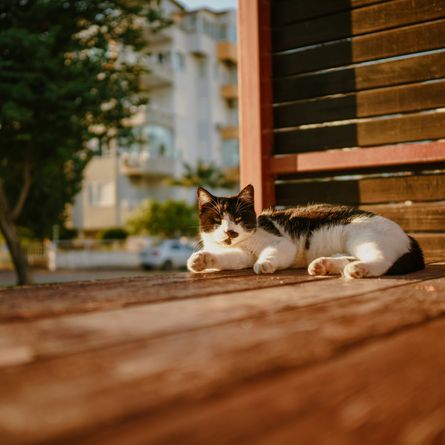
[148, 166]
[227, 52]
[229, 132]
[229, 91]
[160, 74]
[197, 44]
[158, 116]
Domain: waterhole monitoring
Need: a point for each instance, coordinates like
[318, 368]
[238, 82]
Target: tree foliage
[166, 219]
[63, 81]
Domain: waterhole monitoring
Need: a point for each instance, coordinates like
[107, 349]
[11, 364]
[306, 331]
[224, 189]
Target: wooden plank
[388, 130]
[376, 102]
[289, 11]
[397, 42]
[433, 245]
[416, 68]
[153, 380]
[365, 20]
[390, 392]
[55, 300]
[418, 154]
[255, 104]
[54, 337]
[414, 217]
[363, 191]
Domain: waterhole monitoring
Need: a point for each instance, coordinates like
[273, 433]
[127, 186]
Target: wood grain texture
[417, 155]
[43, 339]
[397, 42]
[404, 404]
[376, 102]
[48, 301]
[289, 11]
[369, 132]
[134, 390]
[363, 191]
[355, 22]
[414, 217]
[420, 67]
[432, 244]
[255, 93]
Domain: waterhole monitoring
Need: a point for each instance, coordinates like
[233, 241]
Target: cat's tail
[411, 261]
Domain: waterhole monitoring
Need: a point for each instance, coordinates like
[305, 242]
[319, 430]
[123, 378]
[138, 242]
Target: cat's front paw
[264, 267]
[356, 269]
[200, 261]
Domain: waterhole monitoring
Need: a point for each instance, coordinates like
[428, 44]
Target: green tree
[166, 219]
[63, 81]
[203, 175]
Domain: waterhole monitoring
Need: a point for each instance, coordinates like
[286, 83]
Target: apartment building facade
[192, 115]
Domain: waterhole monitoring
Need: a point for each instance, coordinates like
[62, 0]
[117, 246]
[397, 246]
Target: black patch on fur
[266, 224]
[412, 261]
[303, 221]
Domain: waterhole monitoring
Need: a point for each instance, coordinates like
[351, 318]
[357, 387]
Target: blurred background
[112, 113]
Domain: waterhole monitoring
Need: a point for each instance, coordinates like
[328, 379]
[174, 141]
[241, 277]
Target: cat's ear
[204, 197]
[246, 194]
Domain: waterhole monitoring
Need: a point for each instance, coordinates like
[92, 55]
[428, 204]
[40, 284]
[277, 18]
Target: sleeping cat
[326, 239]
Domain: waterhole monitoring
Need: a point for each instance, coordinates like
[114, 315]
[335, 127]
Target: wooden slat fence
[351, 107]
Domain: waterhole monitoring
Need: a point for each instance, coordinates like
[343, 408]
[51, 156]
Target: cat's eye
[238, 219]
[217, 221]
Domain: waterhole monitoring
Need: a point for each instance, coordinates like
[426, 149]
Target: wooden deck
[226, 358]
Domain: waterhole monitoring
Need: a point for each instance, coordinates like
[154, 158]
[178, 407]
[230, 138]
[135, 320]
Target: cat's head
[228, 221]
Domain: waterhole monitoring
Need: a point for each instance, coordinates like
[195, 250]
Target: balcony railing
[159, 75]
[146, 164]
[229, 91]
[227, 52]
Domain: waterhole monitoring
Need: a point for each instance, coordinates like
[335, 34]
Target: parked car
[168, 254]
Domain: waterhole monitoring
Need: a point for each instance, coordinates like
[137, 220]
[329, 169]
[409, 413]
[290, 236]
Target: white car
[168, 254]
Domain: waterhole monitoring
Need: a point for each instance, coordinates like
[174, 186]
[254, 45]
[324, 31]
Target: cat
[328, 240]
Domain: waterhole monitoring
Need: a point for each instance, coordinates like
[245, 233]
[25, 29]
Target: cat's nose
[231, 233]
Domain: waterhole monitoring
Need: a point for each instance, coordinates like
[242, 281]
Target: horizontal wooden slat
[45, 301]
[363, 191]
[433, 245]
[381, 101]
[355, 22]
[370, 132]
[289, 11]
[202, 385]
[396, 42]
[343, 160]
[414, 217]
[388, 73]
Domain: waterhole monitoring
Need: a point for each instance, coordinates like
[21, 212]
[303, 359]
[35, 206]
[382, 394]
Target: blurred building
[192, 115]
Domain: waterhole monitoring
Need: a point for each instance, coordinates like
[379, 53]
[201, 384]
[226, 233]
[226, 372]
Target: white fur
[368, 246]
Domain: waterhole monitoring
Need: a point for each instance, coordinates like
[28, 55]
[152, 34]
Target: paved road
[7, 278]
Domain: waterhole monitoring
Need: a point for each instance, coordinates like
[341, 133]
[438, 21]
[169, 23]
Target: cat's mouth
[228, 241]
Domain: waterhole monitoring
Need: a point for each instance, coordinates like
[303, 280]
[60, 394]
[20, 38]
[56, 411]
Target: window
[101, 193]
[230, 153]
[179, 61]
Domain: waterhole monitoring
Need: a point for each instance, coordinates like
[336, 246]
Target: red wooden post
[255, 99]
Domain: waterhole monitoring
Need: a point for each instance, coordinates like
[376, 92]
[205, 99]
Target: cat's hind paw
[200, 261]
[319, 266]
[261, 267]
[356, 269]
